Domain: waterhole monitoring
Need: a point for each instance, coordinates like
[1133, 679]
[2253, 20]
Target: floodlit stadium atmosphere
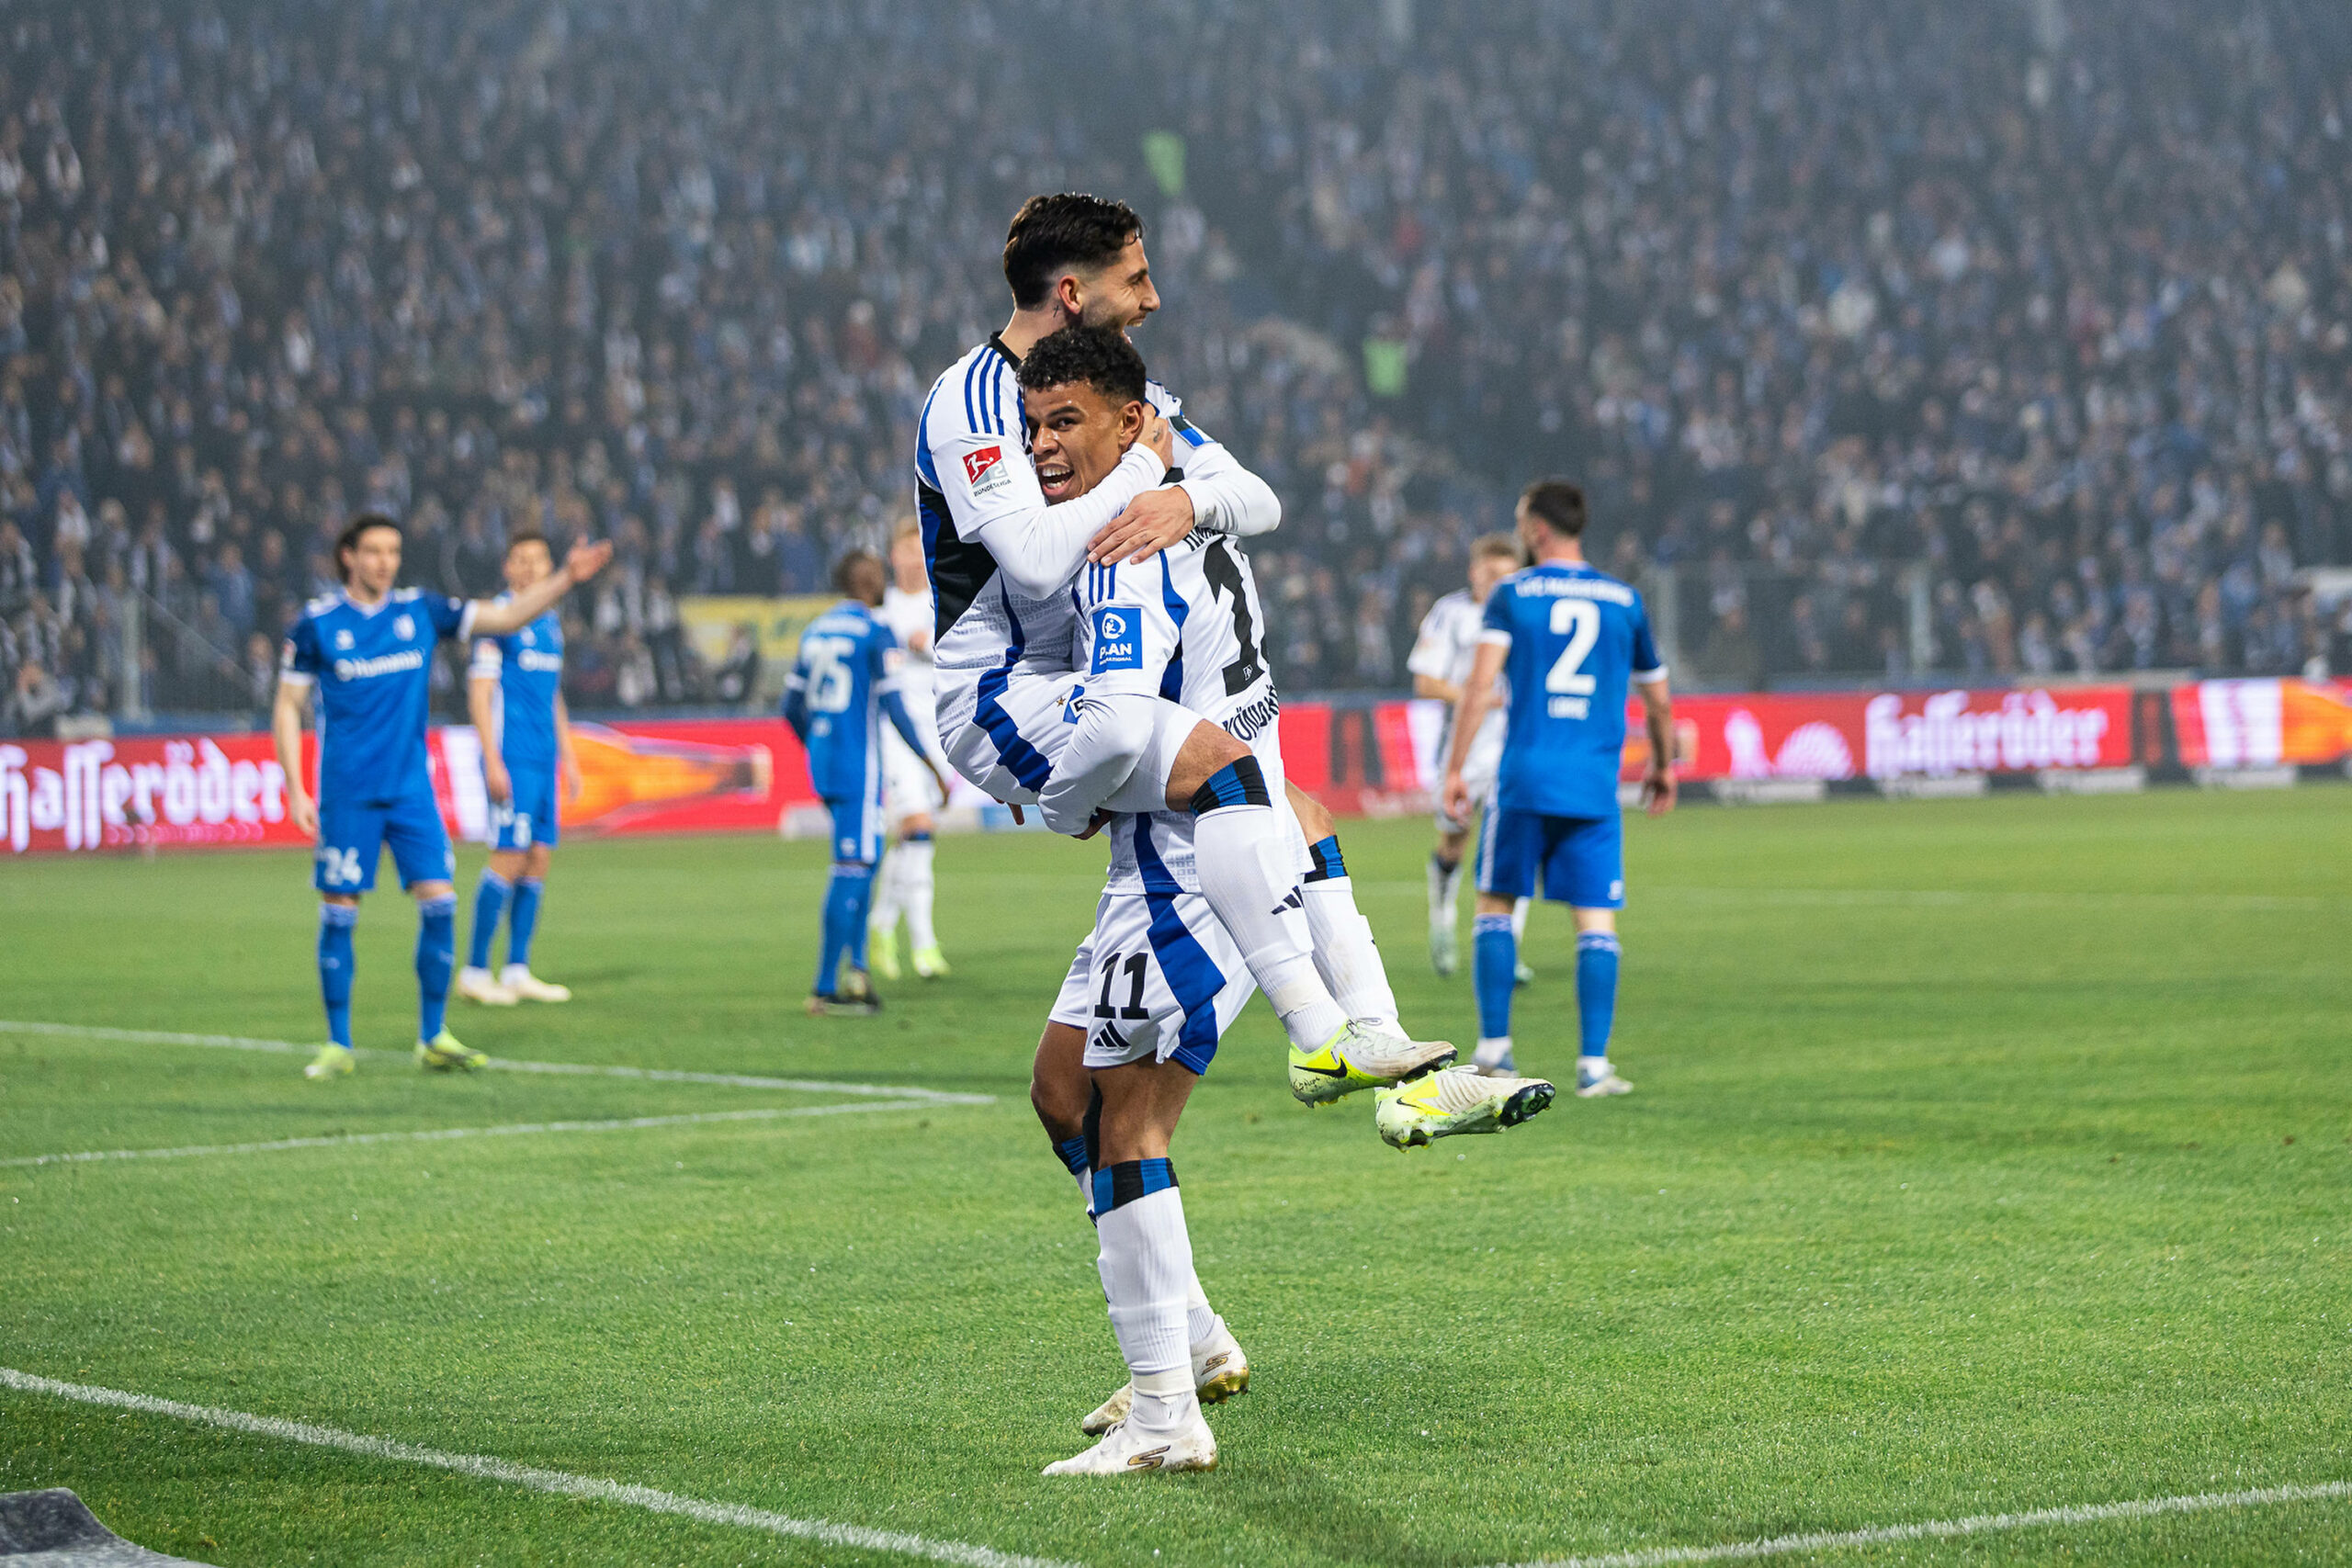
[1528, 783]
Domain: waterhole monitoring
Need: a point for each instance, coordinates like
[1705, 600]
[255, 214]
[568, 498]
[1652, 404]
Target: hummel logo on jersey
[985, 471]
[1118, 639]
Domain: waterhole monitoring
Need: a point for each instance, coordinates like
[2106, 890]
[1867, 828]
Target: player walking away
[1003, 563]
[1153, 988]
[367, 656]
[515, 694]
[1442, 652]
[1571, 640]
[909, 779]
[845, 682]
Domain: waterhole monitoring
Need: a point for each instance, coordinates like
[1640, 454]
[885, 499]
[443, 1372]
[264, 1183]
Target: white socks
[1242, 855]
[882, 916]
[1147, 1267]
[1519, 920]
[914, 891]
[1445, 889]
[1200, 1318]
[1346, 955]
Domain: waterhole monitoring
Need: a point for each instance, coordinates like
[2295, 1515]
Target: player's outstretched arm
[490, 620]
[285, 740]
[1477, 696]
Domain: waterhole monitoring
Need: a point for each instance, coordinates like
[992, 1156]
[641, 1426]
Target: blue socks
[490, 903]
[524, 915]
[436, 954]
[1495, 951]
[1597, 955]
[335, 922]
[847, 897]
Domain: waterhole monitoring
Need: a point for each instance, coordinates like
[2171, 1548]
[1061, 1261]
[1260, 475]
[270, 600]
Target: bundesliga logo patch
[985, 471]
[1118, 639]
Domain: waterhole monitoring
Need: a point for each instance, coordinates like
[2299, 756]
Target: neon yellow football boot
[444, 1053]
[882, 951]
[1441, 1105]
[1357, 1058]
[332, 1062]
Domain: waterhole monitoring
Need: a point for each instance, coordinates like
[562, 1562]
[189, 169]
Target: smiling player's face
[1121, 294]
[1077, 436]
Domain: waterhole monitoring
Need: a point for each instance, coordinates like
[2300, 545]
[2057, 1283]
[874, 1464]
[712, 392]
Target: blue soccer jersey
[528, 666]
[1577, 639]
[373, 671]
[848, 663]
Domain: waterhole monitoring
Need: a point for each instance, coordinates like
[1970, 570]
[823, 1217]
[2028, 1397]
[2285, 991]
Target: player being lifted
[845, 682]
[1002, 562]
[366, 655]
[909, 778]
[1160, 978]
[1442, 652]
[1571, 640]
[515, 695]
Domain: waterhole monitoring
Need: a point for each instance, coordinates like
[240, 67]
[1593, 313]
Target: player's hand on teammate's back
[1101, 821]
[1152, 522]
[494, 779]
[585, 560]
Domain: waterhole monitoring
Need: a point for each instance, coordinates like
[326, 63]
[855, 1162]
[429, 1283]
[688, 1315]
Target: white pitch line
[502, 1064]
[1938, 1530]
[857, 1536]
[437, 1135]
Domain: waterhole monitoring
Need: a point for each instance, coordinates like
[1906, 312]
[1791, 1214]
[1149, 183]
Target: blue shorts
[353, 835]
[529, 816]
[858, 830]
[1582, 858]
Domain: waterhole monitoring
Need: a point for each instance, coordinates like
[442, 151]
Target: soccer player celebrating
[909, 778]
[1443, 653]
[1156, 984]
[515, 694]
[1003, 561]
[367, 656]
[845, 682]
[1571, 640]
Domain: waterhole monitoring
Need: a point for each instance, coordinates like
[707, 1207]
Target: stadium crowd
[2003, 341]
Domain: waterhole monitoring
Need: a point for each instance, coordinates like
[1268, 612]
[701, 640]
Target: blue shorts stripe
[1171, 678]
[1193, 976]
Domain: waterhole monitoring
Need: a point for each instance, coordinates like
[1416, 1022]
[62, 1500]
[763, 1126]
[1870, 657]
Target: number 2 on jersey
[1579, 620]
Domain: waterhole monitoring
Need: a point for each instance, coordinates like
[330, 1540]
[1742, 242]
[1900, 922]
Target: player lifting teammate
[1571, 640]
[366, 655]
[1002, 562]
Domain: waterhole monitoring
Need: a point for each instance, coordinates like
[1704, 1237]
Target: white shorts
[1008, 733]
[1158, 977]
[1478, 771]
[908, 788]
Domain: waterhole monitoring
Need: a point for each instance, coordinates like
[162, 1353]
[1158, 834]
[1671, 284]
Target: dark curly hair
[1053, 233]
[1099, 356]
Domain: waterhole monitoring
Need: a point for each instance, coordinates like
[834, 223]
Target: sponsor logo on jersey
[1118, 639]
[389, 664]
[985, 471]
[542, 664]
[1248, 722]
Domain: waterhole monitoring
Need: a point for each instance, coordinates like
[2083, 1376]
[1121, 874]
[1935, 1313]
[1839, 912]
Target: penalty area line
[560, 1483]
[442, 1134]
[501, 1064]
[1944, 1529]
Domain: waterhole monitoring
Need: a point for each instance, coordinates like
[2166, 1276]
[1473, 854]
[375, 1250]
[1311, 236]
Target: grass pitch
[1987, 1157]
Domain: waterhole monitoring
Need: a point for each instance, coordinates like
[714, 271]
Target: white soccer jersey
[999, 558]
[909, 616]
[1444, 649]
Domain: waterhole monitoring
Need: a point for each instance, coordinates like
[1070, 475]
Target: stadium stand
[2007, 340]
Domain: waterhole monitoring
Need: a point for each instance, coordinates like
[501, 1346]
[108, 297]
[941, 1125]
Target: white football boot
[1127, 1450]
[1601, 1085]
[529, 987]
[1458, 1100]
[480, 985]
[1219, 1371]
